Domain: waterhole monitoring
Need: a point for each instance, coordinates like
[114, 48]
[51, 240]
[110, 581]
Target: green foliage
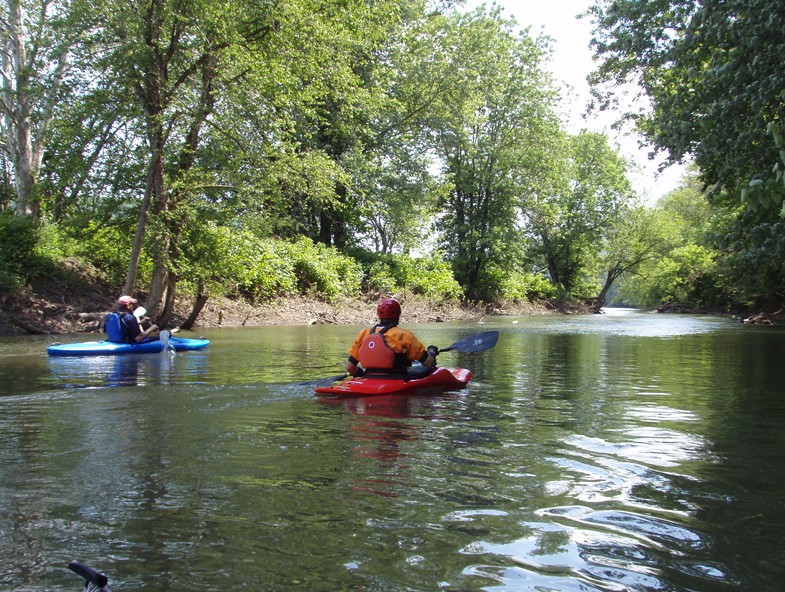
[713, 74]
[357, 123]
[246, 265]
[18, 241]
[428, 276]
[677, 276]
[753, 262]
[108, 248]
[582, 194]
[676, 259]
[324, 271]
[493, 116]
[517, 286]
[239, 263]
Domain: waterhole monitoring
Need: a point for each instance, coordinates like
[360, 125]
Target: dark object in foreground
[94, 581]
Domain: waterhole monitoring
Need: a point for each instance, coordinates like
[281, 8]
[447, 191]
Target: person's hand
[433, 350]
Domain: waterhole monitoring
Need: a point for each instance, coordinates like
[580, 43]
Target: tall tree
[36, 40]
[568, 216]
[495, 109]
[637, 236]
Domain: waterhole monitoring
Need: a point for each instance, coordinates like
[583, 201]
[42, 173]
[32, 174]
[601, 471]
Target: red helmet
[389, 308]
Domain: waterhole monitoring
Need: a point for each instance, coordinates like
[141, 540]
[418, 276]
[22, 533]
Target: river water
[624, 451]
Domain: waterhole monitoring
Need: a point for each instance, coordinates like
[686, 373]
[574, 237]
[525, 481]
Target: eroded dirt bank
[78, 303]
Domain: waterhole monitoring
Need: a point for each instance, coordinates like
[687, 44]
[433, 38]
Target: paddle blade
[474, 343]
[164, 336]
[140, 312]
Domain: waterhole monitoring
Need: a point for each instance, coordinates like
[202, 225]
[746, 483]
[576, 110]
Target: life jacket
[116, 329]
[374, 353]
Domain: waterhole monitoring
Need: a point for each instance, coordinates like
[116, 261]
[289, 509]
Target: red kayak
[440, 379]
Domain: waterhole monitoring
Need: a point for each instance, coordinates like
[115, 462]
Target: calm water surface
[613, 452]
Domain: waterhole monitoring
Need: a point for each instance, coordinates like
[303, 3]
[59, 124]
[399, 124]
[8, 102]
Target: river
[618, 452]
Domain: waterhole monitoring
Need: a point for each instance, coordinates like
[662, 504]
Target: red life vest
[375, 353]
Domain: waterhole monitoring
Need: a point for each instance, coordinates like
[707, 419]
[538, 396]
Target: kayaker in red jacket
[386, 348]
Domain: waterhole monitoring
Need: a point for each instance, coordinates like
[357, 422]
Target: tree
[176, 57]
[685, 270]
[36, 39]
[396, 199]
[494, 110]
[712, 72]
[637, 236]
[582, 196]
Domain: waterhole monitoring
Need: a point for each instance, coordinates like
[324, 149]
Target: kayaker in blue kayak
[131, 328]
[387, 348]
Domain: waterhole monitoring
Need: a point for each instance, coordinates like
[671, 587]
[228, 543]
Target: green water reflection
[613, 452]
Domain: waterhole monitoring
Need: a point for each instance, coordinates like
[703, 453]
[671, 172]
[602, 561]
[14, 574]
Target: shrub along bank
[52, 282]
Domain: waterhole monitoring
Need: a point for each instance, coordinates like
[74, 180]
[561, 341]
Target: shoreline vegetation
[28, 314]
[58, 306]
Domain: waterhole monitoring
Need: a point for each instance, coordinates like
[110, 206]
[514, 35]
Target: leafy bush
[264, 268]
[324, 270]
[106, 247]
[428, 276]
[259, 268]
[526, 287]
[379, 278]
[18, 241]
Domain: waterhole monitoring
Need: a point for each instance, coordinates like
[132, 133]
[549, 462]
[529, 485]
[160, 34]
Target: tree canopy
[712, 74]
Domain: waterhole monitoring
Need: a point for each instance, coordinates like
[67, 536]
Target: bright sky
[571, 63]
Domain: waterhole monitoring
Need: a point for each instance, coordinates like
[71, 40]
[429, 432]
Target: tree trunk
[17, 107]
[599, 301]
[141, 225]
[28, 114]
[201, 300]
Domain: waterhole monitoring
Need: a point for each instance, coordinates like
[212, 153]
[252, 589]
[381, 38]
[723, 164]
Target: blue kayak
[111, 348]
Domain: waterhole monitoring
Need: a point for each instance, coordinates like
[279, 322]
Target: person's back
[118, 329]
[386, 347]
[114, 331]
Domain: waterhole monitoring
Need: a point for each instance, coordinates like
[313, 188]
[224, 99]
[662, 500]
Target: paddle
[467, 345]
[164, 337]
[474, 343]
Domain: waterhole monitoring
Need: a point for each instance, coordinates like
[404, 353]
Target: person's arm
[144, 333]
[352, 363]
[416, 351]
[433, 351]
[352, 367]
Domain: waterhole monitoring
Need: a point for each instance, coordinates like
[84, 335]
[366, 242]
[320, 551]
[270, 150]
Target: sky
[571, 63]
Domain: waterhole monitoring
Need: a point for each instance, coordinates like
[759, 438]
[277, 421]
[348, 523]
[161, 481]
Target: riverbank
[78, 301]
